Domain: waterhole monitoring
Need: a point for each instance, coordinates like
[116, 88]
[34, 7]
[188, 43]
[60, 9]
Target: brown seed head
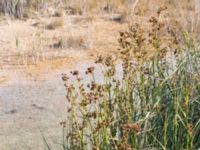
[75, 72]
[161, 9]
[99, 59]
[65, 77]
[63, 123]
[132, 126]
[90, 70]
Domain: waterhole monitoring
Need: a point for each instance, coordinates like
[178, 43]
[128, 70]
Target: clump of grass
[58, 44]
[58, 14]
[75, 7]
[12, 7]
[76, 41]
[78, 38]
[56, 23]
[155, 104]
[74, 11]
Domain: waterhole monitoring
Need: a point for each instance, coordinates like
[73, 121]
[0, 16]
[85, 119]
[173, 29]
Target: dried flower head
[65, 77]
[99, 60]
[63, 124]
[161, 9]
[132, 126]
[75, 72]
[90, 70]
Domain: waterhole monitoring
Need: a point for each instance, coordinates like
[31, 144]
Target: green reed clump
[156, 103]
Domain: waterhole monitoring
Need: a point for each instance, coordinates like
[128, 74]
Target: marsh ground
[32, 96]
[33, 54]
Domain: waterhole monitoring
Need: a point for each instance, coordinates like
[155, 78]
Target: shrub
[155, 104]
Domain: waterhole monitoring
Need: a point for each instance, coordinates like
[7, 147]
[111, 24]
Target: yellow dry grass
[56, 23]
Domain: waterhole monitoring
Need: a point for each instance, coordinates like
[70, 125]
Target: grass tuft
[57, 23]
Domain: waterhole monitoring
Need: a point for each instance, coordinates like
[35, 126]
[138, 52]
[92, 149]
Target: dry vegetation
[153, 105]
[55, 24]
[155, 102]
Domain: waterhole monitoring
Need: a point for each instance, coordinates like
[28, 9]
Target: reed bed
[156, 103]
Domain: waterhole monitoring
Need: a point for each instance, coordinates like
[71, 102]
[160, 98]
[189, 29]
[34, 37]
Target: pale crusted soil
[32, 95]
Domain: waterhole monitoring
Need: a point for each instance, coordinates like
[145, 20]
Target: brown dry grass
[105, 34]
[76, 41]
[56, 23]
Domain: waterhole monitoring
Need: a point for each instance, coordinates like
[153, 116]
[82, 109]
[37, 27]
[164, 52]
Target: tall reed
[155, 104]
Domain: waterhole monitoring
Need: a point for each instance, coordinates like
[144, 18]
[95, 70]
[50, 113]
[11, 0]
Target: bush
[154, 105]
